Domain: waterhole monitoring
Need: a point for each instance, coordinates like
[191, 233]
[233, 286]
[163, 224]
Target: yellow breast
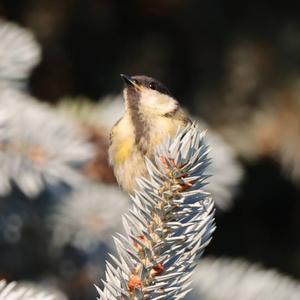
[123, 151]
[127, 158]
[122, 142]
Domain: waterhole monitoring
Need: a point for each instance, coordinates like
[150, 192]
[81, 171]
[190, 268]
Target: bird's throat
[141, 128]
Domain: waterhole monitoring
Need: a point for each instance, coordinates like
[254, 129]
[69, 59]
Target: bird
[151, 115]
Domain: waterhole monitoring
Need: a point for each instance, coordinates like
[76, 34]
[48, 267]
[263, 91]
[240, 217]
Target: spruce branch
[168, 227]
[88, 216]
[239, 279]
[19, 52]
[38, 148]
[15, 291]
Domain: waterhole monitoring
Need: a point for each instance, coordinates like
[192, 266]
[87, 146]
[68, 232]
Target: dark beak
[127, 80]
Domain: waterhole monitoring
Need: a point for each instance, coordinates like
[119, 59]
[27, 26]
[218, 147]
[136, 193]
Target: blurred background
[234, 66]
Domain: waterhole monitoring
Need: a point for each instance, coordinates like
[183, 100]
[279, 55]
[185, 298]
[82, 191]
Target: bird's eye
[152, 85]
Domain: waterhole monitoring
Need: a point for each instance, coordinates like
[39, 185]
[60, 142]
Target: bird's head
[148, 96]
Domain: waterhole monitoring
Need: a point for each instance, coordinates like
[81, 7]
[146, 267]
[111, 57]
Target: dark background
[188, 45]
[86, 44]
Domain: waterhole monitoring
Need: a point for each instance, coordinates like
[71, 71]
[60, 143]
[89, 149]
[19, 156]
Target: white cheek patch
[153, 102]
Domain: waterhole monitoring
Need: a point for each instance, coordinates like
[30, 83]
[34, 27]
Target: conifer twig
[239, 279]
[15, 291]
[170, 224]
